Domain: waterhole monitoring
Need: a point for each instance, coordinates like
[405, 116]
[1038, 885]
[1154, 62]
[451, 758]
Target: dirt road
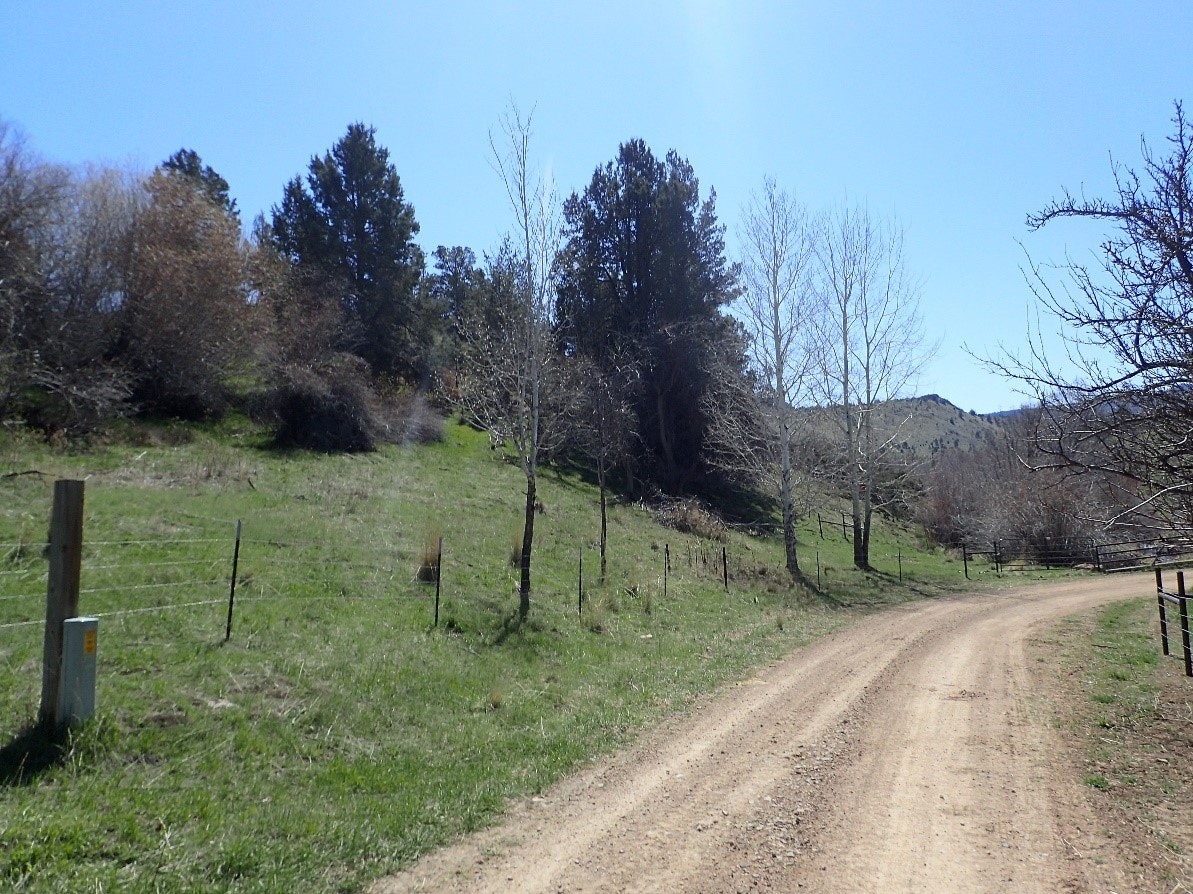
[910, 752]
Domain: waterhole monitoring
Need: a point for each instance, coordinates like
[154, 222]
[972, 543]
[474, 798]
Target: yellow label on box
[89, 642]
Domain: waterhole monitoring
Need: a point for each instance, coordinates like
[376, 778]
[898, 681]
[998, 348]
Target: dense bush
[690, 517]
[329, 409]
[336, 407]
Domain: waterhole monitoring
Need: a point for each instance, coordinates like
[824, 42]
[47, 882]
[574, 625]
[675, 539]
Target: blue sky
[956, 118]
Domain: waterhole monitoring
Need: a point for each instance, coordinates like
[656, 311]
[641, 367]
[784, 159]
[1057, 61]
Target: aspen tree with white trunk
[776, 308]
[870, 346]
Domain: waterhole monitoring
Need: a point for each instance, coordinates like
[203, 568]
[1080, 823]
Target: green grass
[1126, 655]
[1118, 654]
[1098, 781]
[1134, 729]
[337, 736]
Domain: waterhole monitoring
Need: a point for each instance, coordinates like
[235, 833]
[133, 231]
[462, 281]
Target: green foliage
[643, 280]
[188, 164]
[351, 223]
[1098, 781]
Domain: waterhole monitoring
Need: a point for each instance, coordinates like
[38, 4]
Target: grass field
[1127, 710]
[337, 735]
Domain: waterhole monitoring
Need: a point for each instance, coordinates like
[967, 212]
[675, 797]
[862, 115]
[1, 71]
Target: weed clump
[691, 517]
[428, 563]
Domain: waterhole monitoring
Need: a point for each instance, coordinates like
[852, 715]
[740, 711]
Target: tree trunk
[789, 542]
[671, 472]
[867, 519]
[604, 516]
[527, 543]
[861, 549]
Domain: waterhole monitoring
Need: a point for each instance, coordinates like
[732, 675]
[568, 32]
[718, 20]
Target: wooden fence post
[965, 557]
[725, 566]
[62, 588]
[580, 586]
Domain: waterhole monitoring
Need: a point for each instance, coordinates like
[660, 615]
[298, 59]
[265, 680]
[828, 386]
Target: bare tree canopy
[1122, 404]
[777, 305]
[870, 345]
[508, 377]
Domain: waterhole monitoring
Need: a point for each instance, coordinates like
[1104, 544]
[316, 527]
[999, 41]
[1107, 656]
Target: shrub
[413, 420]
[327, 409]
[690, 517]
[428, 565]
[336, 406]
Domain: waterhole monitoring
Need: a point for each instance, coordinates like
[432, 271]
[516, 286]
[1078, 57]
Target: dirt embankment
[911, 752]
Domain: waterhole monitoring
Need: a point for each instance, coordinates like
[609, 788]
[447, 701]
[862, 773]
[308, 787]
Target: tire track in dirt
[902, 754]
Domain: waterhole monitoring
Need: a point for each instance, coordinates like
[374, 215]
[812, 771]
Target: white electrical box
[80, 645]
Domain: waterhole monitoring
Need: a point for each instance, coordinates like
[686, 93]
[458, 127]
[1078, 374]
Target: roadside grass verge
[1129, 711]
[337, 736]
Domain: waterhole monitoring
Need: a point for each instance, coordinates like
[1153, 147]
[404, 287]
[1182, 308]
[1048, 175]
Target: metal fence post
[232, 588]
[1184, 607]
[1163, 613]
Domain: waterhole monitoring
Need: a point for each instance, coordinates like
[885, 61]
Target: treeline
[136, 293]
[610, 326]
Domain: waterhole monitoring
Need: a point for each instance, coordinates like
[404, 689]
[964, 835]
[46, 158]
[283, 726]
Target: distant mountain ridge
[930, 424]
[921, 427]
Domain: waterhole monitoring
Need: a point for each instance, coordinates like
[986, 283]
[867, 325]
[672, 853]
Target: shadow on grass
[34, 750]
[517, 632]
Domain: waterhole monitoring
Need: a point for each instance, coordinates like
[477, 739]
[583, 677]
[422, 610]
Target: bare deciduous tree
[1120, 406]
[777, 309]
[71, 321]
[870, 346]
[507, 375]
[186, 310]
[30, 194]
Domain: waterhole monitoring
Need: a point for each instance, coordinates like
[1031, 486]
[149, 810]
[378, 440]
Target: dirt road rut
[910, 752]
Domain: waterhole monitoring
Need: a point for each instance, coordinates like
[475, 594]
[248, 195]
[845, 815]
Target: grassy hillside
[337, 735]
[921, 427]
[930, 424]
